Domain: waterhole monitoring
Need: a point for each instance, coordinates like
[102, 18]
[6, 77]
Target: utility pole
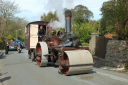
[16, 33]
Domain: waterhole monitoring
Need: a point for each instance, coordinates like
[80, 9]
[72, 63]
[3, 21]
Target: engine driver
[41, 33]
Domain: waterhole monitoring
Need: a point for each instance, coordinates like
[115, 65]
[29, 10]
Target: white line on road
[114, 77]
[83, 80]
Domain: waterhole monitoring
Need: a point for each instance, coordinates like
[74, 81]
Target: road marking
[114, 77]
[83, 80]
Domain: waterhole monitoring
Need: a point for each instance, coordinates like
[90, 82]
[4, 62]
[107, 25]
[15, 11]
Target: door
[33, 35]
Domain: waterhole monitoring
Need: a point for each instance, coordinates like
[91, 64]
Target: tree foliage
[81, 14]
[7, 11]
[81, 23]
[115, 15]
[9, 23]
[84, 30]
[49, 17]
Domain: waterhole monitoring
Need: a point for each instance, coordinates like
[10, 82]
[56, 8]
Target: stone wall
[117, 53]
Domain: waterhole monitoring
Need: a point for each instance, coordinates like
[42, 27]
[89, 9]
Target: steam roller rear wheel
[32, 56]
[76, 62]
[29, 54]
[41, 50]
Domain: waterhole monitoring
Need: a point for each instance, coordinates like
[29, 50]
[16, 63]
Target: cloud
[33, 9]
[30, 9]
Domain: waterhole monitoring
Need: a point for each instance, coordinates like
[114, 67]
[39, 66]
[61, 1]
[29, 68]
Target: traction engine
[65, 51]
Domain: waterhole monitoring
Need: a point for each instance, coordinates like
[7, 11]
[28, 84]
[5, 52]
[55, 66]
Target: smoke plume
[58, 5]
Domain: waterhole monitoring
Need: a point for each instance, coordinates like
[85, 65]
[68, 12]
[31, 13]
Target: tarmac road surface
[17, 69]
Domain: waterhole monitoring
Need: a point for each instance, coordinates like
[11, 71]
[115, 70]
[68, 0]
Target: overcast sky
[32, 10]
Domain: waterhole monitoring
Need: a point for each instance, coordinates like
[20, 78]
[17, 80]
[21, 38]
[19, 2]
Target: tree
[81, 14]
[49, 17]
[15, 25]
[7, 11]
[84, 30]
[43, 17]
[115, 15]
[9, 23]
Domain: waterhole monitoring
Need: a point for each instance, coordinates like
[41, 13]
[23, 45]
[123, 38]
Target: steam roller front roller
[41, 50]
[76, 62]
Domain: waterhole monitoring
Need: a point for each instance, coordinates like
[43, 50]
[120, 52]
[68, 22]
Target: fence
[97, 45]
[101, 46]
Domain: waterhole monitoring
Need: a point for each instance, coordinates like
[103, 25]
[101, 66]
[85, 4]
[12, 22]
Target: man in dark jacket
[41, 33]
[6, 47]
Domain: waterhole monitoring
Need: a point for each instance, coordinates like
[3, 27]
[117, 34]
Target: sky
[32, 10]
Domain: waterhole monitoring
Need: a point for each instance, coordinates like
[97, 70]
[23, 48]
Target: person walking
[6, 47]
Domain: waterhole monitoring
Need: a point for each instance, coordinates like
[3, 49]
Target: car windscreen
[12, 44]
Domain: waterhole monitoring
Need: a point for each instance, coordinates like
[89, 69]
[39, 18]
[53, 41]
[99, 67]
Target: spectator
[6, 48]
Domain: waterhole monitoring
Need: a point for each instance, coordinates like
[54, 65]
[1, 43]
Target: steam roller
[65, 51]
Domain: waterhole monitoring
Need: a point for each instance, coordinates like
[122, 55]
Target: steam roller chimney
[68, 16]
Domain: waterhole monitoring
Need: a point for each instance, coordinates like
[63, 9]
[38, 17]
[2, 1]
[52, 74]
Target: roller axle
[66, 64]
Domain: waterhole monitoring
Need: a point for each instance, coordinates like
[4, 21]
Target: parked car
[13, 46]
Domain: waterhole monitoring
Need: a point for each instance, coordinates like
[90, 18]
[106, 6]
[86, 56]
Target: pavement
[2, 52]
[100, 63]
[17, 69]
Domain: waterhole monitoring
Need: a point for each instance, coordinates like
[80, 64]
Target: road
[17, 69]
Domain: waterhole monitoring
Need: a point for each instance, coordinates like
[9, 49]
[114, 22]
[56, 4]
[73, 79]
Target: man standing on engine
[41, 33]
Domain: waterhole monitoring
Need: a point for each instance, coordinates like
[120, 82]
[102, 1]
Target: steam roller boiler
[64, 50]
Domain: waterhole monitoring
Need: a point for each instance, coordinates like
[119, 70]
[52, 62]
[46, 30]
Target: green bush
[85, 44]
[84, 31]
[1, 45]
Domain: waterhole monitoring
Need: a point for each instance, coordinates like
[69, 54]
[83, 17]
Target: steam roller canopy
[41, 49]
[79, 61]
